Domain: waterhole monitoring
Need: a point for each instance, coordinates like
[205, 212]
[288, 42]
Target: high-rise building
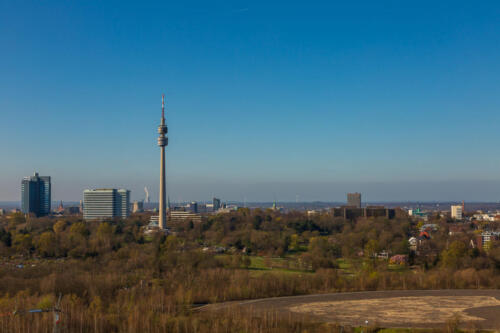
[354, 200]
[193, 206]
[457, 212]
[36, 195]
[106, 203]
[216, 203]
[162, 142]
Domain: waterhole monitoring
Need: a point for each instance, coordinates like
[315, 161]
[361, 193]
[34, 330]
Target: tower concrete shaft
[162, 142]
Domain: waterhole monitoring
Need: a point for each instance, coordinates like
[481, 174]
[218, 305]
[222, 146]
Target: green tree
[59, 227]
[371, 248]
[79, 228]
[5, 237]
[294, 243]
[453, 256]
[78, 244]
[47, 244]
[23, 243]
[17, 218]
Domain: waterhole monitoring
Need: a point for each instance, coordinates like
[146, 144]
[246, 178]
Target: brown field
[424, 308]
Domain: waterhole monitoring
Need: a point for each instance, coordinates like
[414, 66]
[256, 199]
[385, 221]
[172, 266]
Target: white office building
[100, 204]
[456, 212]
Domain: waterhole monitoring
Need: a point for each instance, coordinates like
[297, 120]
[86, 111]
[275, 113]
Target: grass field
[290, 265]
[261, 265]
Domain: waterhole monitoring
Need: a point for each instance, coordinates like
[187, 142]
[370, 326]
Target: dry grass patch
[403, 310]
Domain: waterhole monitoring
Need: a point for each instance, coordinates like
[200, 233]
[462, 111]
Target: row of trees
[318, 240]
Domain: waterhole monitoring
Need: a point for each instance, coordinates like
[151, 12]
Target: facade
[352, 213]
[379, 211]
[123, 204]
[36, 195]
[216, 203]
[227, 209]
[154, 219]
[209, 208]
[180, 216]
[456, 212]
[489, 217]
[193, 207]
[105, 203]
[354, 200]
[419, 214]
[347, 212]
[72, 210]
[152, 225]
[485, 240]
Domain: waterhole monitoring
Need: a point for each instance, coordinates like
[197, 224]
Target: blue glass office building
[36, 195]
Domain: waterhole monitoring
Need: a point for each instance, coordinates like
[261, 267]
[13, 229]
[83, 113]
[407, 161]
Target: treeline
[72, 238]
[316, 241]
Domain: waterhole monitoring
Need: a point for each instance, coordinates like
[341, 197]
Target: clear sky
[265, 99]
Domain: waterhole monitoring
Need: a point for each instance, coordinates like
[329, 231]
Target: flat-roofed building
[354, 200]
[379, 211]
[181, 216]
[456, 212]
[106, 203]
[352, 213]
[348, 212]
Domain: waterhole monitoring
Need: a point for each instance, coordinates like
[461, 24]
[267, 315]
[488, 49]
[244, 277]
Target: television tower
[162, 142]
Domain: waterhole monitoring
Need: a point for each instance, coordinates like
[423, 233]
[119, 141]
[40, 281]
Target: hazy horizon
[445, 191]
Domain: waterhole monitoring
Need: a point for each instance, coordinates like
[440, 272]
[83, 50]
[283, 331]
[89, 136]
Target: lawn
[260, 265]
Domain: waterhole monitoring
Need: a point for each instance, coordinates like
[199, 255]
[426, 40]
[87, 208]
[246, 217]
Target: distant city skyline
[397, 101]
[425, 191]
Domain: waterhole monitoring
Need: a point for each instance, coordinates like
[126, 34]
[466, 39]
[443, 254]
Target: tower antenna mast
[163, 107]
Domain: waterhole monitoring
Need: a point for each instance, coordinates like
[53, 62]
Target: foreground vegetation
[114, 279]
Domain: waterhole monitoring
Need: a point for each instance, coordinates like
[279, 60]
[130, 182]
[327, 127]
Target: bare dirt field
[416, 308]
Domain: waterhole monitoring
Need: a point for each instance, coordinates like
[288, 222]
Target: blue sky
[264, 99]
